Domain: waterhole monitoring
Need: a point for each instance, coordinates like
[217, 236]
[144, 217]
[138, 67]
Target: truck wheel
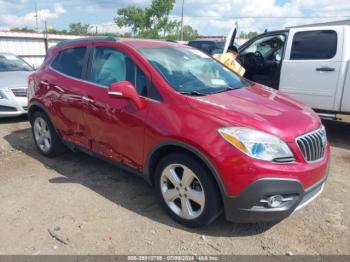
[45, 136]
[187, 190]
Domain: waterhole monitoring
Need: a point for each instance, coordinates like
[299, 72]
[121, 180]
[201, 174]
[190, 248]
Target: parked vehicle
[211, 47]
[14, 72]
[311, 63]
[205, 138]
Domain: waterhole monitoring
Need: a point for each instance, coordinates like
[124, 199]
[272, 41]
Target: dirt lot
[95, 208]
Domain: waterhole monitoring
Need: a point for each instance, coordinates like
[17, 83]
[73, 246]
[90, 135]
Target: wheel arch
[35, 107]
[159, 150]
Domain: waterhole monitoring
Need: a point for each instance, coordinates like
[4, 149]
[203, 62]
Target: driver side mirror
[126, 90]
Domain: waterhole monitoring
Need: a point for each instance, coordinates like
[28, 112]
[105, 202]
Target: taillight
[31, 87]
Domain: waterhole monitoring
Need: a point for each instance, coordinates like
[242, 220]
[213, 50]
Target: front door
[310, 70]
[115, 126]
[262, 58]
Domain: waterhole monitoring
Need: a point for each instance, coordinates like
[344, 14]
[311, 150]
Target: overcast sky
[209, 17]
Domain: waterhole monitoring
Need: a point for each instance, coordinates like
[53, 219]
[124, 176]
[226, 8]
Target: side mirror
[126, 90]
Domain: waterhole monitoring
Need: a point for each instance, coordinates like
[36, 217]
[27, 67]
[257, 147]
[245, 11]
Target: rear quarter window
[314, 45]
[70, 61]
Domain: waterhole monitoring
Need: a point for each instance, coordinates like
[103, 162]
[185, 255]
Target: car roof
[136, 43]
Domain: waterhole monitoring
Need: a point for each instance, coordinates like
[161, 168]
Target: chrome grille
[19, 92]
[313, 145]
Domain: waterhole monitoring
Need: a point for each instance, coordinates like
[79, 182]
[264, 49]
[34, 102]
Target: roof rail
[87, 39]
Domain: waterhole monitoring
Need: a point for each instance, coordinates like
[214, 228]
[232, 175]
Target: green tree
[22, 29]
[147, 22]
[189, 33]
[158, 16]
[79, 29]
[248, 35]
[133, 17]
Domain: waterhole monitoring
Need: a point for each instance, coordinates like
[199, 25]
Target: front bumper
[248, 207]
[13, 105]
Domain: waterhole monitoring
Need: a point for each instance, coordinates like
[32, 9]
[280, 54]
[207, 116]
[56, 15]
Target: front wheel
[187, 190]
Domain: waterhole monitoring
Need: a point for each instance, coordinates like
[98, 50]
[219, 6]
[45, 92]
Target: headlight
[2, 95]
[257, 144]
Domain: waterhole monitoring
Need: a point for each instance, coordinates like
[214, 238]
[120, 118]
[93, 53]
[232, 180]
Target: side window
[207, 47]
[267, 46]
[142, 83]
[110, 65]
[314, 45]
[193, 44]
[144, 86]
[70, 61]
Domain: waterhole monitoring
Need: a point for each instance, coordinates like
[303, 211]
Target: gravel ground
[76, 204]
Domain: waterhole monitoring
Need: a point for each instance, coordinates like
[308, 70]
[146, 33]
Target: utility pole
[36, 17]
[182, 20]
[46, 38]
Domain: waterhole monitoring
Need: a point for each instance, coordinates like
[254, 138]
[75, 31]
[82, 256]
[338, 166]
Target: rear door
[311, 68]
[64, 85]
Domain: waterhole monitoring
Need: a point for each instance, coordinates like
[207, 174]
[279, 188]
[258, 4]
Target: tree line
[153, 21]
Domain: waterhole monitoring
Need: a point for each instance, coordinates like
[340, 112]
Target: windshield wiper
[223, 90]
[192, 93]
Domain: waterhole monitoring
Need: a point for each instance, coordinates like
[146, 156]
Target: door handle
[87, 99]
[59, 88]
[325, 69]
[44, 82]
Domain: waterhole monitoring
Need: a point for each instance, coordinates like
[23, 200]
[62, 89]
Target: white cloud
[108, 27]
[29, 20]
[217, 17]
[210, 17]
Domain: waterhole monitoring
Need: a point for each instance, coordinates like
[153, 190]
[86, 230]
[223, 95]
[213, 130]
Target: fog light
[275, 201]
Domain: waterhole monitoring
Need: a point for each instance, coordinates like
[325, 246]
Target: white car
[13, 85]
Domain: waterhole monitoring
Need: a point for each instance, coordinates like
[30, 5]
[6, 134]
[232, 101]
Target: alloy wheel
[182, 191]
[42, 134]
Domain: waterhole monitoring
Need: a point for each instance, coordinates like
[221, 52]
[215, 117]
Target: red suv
[206, 139]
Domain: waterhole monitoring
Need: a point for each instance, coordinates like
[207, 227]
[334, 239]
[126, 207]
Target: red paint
[125, 131]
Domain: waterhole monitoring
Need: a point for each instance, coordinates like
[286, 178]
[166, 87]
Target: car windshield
[191, 71]
[13, 63]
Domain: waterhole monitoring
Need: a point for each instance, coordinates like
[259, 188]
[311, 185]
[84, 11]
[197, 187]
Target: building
[31, 47]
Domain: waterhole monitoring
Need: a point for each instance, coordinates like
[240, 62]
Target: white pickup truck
[311, 63]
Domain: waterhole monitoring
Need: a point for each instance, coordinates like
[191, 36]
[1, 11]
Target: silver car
[13, 85]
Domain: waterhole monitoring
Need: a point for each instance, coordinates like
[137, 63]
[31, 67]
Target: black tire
[56, 148]
[213, 204]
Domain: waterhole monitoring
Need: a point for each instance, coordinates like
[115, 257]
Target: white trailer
[31, 47]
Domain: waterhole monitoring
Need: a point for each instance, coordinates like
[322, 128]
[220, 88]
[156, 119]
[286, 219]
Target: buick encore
[206, 139]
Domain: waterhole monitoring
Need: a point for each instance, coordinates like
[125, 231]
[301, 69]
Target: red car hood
[260, 108]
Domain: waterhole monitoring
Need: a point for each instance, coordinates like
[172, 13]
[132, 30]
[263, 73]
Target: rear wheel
[45, 136]
[187, 190]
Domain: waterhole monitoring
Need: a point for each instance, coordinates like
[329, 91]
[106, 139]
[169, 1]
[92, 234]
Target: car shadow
[121, 187]
[17, 119]
[338, 133]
